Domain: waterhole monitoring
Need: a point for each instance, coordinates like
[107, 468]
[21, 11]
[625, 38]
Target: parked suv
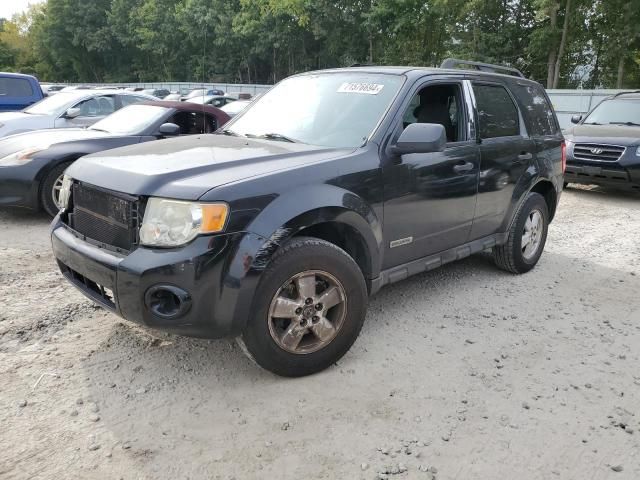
[604, 146]
[333, 184]
[18, 91]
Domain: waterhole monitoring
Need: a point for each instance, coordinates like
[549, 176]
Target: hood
[45, 138]
[608, 134]
[188, 167]
[11, 116]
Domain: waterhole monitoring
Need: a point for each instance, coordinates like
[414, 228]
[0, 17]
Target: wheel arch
[326, 212]
[548, 191]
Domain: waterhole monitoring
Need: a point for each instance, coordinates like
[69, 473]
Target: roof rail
[625, 93]
[483, 67]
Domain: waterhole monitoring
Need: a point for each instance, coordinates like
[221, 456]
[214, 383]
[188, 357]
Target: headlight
[171, 223]
[21, 157]
[638, 151]
[65, 192]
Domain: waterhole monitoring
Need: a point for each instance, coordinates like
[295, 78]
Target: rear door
[506, 151]
[430, 197]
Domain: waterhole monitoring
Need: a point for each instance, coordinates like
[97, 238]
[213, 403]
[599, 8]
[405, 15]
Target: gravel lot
[463, 373]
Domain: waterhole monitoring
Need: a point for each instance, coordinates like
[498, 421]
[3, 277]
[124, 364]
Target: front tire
[308, 309]
[50, 190]
[527, 237]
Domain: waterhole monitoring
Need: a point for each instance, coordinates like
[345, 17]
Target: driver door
[430, 198]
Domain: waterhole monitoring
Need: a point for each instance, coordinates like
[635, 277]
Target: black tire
[510, 256]
[46, 189]
[303, 254]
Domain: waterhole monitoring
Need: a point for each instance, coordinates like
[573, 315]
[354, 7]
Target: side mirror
[72, 112]
[421, 138]
[169, 130]
[576, 118]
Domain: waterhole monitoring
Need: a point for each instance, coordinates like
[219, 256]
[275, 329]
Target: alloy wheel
[307, 312]
[532, 234]
[55, 191]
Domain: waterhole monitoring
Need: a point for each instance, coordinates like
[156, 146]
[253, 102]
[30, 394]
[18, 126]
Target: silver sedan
[76, 108]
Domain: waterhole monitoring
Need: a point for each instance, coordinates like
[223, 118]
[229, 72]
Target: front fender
[282, 219]
[307, 206]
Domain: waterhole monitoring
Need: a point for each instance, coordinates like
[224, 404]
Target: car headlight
[171, 223]
[65, 192]
[638, 151]
[21, 157]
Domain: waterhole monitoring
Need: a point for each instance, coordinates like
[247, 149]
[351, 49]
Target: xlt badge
[401, 241]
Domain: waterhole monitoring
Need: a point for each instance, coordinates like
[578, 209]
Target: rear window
[15, 87]
[498, 115]
[537, 109]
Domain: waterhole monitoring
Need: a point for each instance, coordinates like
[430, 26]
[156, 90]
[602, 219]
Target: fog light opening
[167, 301]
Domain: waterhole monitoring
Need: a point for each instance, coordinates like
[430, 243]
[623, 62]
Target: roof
[633, 94]
[414, 71]
[190, 107]
[17, 75]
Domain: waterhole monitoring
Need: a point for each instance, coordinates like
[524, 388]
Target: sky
[9, 7]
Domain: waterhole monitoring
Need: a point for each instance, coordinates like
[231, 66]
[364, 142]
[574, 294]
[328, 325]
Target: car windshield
[53, 105]
[617, 111]
[200, 99]
[130, 120]
[328, 109]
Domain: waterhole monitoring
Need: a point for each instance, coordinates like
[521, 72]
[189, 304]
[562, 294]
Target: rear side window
[15, 87]
[537, 109]
[498, 115]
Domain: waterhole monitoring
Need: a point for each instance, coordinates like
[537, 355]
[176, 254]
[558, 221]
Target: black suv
[277, 228]
[604, 147]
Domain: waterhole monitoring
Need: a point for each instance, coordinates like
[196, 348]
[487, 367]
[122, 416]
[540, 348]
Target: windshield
[330, 109]
[199, 99]
[130, 120]
[617, 112]
[53, 105]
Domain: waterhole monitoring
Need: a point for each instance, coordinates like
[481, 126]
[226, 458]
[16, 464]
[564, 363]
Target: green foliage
[262, 41]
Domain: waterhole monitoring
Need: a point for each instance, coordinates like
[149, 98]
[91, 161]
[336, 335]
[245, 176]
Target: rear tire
[49, 190]
[527, 237]
[308, 309]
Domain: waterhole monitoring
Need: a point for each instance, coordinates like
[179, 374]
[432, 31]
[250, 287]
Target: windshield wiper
[591, 123]
[274, 136]
[629, 124]
[98, 129]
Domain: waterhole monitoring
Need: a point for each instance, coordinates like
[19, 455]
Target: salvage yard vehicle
[218, 101]
[333, 184]
[75, 108]
[32, 164]
[604, 147]
[18, 91]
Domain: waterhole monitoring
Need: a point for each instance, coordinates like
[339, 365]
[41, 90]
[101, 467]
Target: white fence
[185, 86]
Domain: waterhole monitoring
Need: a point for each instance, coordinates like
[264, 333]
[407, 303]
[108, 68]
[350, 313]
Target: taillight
[564, 156]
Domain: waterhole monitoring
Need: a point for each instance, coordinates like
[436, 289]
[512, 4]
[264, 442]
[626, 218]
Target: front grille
[597, 153]
[108, 218]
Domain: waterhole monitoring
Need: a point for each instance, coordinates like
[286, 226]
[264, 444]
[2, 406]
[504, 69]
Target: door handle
[525, 156]
[463, 167]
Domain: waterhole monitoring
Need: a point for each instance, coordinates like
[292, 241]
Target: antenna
[204, 91]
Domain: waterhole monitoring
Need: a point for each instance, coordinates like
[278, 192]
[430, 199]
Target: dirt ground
[462, 373]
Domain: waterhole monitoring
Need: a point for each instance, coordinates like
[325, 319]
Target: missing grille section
[99, 293]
